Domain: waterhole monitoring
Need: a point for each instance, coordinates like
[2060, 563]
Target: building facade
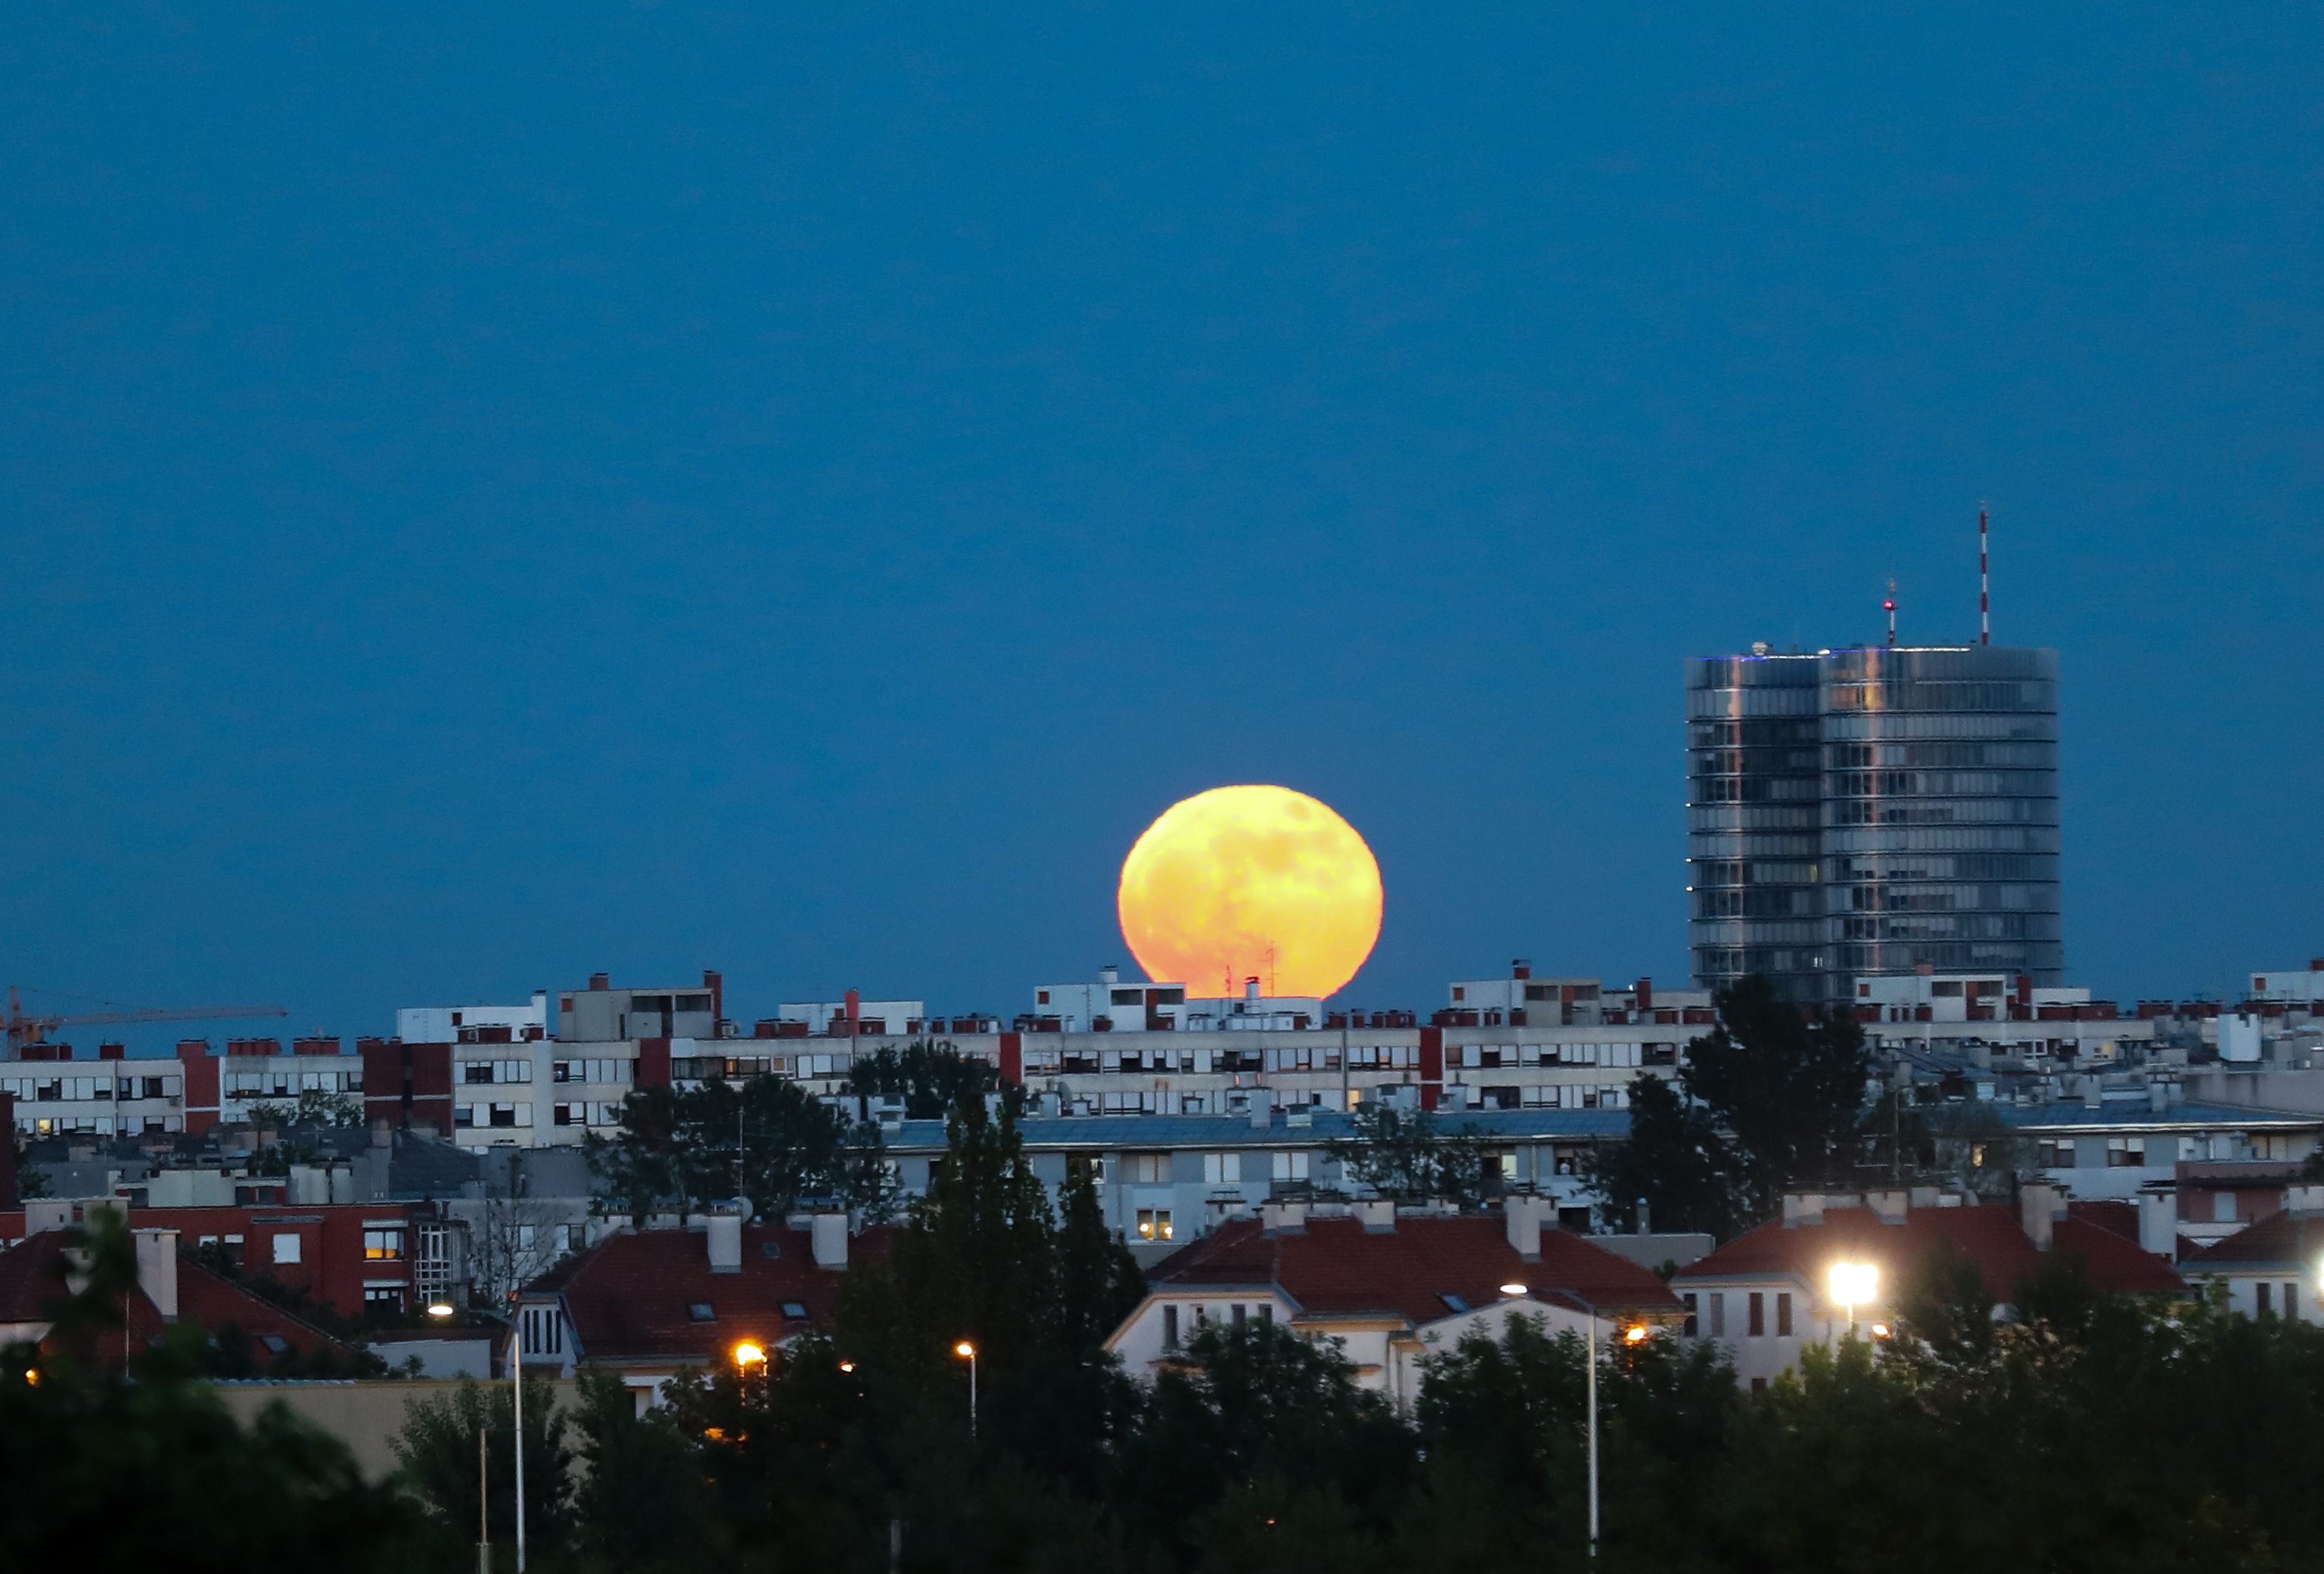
[1859, 813]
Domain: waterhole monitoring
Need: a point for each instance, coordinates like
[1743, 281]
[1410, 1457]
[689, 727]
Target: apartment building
[1840, 1262]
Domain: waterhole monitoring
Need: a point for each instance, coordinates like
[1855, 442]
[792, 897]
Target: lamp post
[1852, 1285]
[968, 1352]
[1588, 1384]
[516, 1380]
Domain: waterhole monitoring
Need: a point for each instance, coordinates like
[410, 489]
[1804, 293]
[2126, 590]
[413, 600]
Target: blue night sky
[490, 494]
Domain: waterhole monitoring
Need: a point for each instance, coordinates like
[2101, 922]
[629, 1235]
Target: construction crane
[25, 1029]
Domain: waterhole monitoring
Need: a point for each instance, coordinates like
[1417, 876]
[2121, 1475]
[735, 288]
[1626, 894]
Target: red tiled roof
[2108, 1214]
[32, 1279]
[211, 1302]
[1337, 1268]
[628, 1296]
[2281, 1240]
[1993, 1238]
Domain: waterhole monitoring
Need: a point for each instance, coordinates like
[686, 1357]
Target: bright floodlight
[1635, 1334]
[1513, 1289]
[747, 1354]
[1854, 1283]
[440, 1309]
[964, 1350]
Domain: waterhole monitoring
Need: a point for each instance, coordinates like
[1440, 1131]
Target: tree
[641, 1504]
[977, 1257]
[102, 1468]
[1408, 1156]
[1789, 1082]
[766, 1140]
[437, 1450]
[930, 1078]
[1675, 1161]
[1099, 1283]
[313, 1107]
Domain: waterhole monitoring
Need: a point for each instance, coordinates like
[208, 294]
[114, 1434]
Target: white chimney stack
[157, 1270]
[1523, 1217]
[723, 1231]
[2158, 1224]
[831, 1240]
[1376, 1214]
[2038, 1209]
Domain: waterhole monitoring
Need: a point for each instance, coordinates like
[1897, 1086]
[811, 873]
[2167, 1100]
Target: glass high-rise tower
[1853, 813]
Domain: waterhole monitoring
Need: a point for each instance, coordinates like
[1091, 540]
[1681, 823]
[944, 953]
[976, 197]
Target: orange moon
[1250, 881]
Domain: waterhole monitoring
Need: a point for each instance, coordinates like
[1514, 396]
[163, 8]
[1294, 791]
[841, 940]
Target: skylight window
[1454, 1302]
[795, 1309]
[702, 1311]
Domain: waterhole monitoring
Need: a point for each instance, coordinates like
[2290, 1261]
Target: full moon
[1250, 881]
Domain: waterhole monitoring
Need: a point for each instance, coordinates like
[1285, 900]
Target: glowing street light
[1852, 1285]
[1513, 1288]
[967, 1352]
[747, 1355]
[441, 1309]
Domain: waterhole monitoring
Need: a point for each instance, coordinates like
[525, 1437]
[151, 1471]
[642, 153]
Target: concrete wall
[366, 1416]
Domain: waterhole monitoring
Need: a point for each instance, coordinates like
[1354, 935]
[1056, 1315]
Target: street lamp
[967, 1352]
[747, 1355]
[1852, 1285]
[516, 1381]
[441, 1309]
[1589, 1389]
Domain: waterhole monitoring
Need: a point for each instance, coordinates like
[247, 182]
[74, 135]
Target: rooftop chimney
[1283, 1217]
[1803, 1207]
[830, 1240]
[2158, 1224]
[1522, 968]
[1522, 1217]
[2038, 1208]
[854, 1005]
[157, 1269]
[716, 982]
[1646, 994]
[1250, 989]
[1376, 1214]
[1889, 1206]
[601, 981]
[723, 1232]
[1110, 974]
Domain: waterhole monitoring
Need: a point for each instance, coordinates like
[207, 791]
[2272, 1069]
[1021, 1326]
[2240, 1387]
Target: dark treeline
[2083, 1434]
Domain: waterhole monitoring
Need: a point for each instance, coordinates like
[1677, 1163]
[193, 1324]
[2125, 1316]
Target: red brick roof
[629, 1296]
[32, 1280]
[2280, 1241]
[1994, 1238]
[1336, 1268]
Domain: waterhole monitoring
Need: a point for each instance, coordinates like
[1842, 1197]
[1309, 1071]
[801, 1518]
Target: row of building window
[64, 1089]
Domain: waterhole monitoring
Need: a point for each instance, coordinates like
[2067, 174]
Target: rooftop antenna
[1983, 584]
[1889, 606]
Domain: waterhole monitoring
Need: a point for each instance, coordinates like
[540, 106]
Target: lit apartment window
[1154, 1224]
[382, 1245]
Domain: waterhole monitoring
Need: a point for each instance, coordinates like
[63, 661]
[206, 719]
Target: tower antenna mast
[1983, 584]
[1889, 606]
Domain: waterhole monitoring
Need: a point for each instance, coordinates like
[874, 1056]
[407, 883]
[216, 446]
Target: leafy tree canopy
[766, 1140]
